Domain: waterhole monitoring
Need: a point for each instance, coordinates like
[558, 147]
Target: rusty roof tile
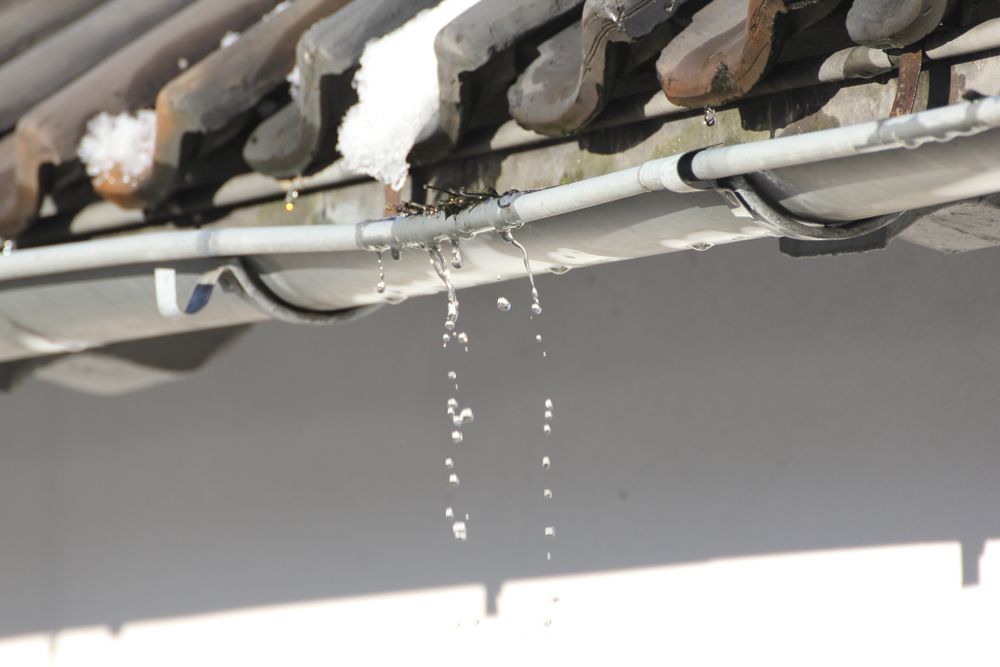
[287, 143]
[55, 61]
[575, 73]
[729, 46]
[215, 95]
[24, 22]
[127, 80]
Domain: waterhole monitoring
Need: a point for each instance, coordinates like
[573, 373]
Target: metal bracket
[745, 201]
[235, 276]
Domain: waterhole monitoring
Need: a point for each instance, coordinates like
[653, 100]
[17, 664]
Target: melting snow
[118, 147]
[397, 96]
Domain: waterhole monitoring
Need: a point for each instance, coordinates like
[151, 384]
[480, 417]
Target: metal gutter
[82, 295]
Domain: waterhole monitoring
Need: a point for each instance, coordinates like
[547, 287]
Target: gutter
[837, 183]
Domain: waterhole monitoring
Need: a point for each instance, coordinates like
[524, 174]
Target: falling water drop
[538, 338]
[449, 463]
[550, 531]
[503, 305]
[460, 531]
[449, 513]
[466, 415]
[453, 479]
[547, 494]
[290, 198]
[546, 463]
[380, 285]
[548, 403]
[463, 338]
[548, 415]
[446, 338]
[452, 375]
[456, 437]
[536, 308]
[452, 406]
[548, 555]
[547, 429]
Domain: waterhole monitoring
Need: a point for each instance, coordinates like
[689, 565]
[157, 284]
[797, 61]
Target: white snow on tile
[397, 96]
[118, 147]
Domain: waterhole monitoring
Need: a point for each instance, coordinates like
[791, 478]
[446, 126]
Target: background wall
[752, 456]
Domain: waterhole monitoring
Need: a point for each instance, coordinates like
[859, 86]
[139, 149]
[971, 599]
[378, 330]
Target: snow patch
[397, 88]
[118, 147]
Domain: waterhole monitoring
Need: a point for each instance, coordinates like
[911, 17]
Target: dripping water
[380, 285]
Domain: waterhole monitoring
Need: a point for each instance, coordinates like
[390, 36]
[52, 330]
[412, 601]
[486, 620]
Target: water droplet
[182, 63]
[457, 260]
[460, 531]
[463, 338]
[452, 406]
[449, 513]
[559, 270]
[548, 555]
[538, 338]
[395, 254]
[380, 285]
[548, 415]
[546, 463]
[503, 305]
[456, 437]
[466, 516]
[290, 198]
[709, 117]
[446, 338]
[453, 479]
[7, 248]
[547, 429]
[547, 494]
[452, 375]
[464, 417]
[701, 247]
[548, 403]
[550, 531]
[449, 463]
[508, 237]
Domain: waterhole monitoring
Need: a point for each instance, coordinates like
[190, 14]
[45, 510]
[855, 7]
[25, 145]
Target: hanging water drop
[702, 246]
[460, 531]
[456, 437]
[380, 285]
[508, 237]
[503, 305]
[453, 479]
[457, 261]
[546, 463]
[442, 270]
[395, 254]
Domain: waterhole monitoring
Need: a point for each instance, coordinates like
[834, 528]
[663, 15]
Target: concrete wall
[773, 453]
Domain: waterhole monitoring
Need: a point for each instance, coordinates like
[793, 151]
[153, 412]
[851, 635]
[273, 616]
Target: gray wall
[724, 404]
